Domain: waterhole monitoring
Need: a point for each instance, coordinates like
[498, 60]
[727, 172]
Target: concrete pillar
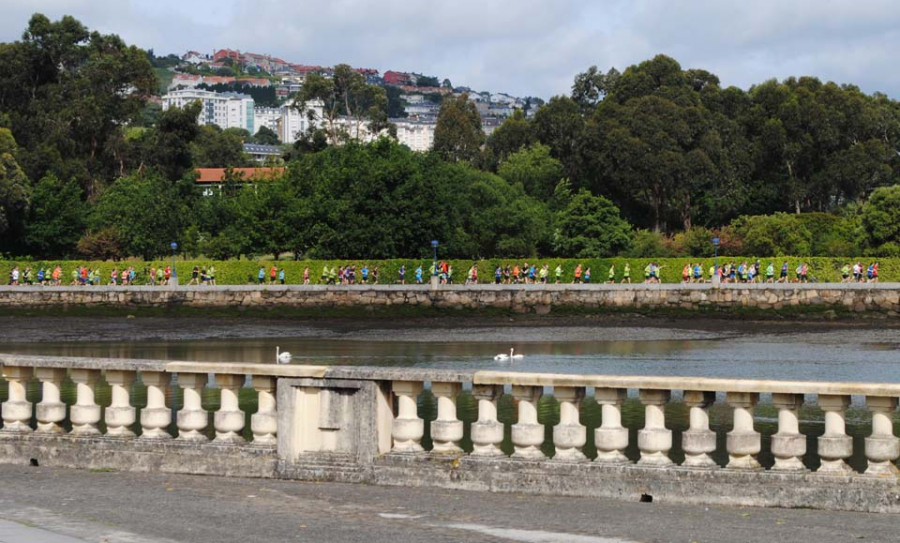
[882, 448]
[51, 411]
[192, 419]
[120, 414]
[156, 417]
[229, 419]
[569, 436]
[264, 423]
[655, 440]
[698, 441]
[611, 438]
[788, 444]
[835, 445]
[487, 433]
[527, 434]
[16, 410]
[446, 430]
[743, 442]
[407, 429]
[85, 414]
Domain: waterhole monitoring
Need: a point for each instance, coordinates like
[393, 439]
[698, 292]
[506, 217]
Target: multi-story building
[287, 121]
[223, 109]
[417, 134]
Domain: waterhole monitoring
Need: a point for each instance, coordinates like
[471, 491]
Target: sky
[523, 47]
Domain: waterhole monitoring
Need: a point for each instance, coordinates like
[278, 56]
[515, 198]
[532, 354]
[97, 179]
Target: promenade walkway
[43, 505]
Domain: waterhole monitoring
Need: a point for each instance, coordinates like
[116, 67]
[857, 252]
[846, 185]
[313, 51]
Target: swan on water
[511, 356]
[282, 357]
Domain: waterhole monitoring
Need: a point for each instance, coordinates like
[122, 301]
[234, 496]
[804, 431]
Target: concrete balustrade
[699, 441]
[85, 414]
[408, 428]
[788, 444]
[264, 423]
[654, 439]
[339, 424]
[611, 438]
[487, 432]
[743, 442]
[569, 436]
[50, 411]
[527, 433]
[192, 419]
[446, 430]
[835, 445]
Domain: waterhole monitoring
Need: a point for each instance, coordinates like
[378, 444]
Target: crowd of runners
[504, 274]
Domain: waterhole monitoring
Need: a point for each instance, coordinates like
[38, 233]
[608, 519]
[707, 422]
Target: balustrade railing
[482, 438]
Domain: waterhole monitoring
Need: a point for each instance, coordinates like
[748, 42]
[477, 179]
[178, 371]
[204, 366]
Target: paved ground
[44, 505]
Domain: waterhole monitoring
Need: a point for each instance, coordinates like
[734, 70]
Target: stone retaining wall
[875, 299]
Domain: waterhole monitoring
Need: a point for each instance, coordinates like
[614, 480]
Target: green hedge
[234, 272]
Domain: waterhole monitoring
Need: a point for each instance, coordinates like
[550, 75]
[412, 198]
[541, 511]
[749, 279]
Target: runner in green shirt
[626, 273]
[612, 274]
[558, 273]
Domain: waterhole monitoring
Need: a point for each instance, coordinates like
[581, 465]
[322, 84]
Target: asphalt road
[106, 507]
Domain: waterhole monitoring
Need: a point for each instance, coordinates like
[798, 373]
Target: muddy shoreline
[25, 329]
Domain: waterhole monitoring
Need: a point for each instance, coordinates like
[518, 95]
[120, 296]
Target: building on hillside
[417, 134]
[489, 124]
[263, 153]
[422, 108]
[287, 121]
[397, 78]
[213, 178]
[195, 58]
[223, 109]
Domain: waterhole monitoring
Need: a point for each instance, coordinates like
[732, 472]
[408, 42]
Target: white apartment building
[223, 109]
[286, 121]
[418, 135]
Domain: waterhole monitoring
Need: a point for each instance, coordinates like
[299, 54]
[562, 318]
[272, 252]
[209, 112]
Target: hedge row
[234, 272]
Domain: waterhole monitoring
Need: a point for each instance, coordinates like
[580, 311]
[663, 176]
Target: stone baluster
[119, 415]
[654, 439]
[743, 442]
[527, 434]
[446, 430]
[835, 445]
[192, 419]
[51, 411]
[16, 410]
[264, 423]
[156, 417]
[85, 414]
[788, 444]
[882, 448]
[229, 419]
[487, 433]
[569, 436]
[699, 441]
[611, 438]
[407, 428]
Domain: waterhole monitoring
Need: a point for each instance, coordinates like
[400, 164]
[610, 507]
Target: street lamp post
[715, 277]
[434, 273]
[174, 279]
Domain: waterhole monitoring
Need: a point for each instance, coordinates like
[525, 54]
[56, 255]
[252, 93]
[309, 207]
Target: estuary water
[729, 349]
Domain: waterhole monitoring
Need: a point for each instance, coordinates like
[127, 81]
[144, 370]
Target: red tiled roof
[217, 175]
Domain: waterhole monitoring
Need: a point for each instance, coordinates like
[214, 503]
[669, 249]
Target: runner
[626, 273]
[402, 274]
[587, 275]
[306, 275]
[419, 275]
[281, 275]
[577, 278]
[261, 275]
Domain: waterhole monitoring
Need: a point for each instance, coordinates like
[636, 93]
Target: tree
[57, 218]
[590, 227]
[534, 169]
[67, 92]
[167, 148]
[780, 234]
[216, 148]
[346, 94]
[396, 105]
[143, 212]
[15, 193]
[458, 135]
[510, 137]
[266, 136]
[592, 86]
[881, 217]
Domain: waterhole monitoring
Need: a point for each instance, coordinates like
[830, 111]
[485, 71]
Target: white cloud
[519, 46]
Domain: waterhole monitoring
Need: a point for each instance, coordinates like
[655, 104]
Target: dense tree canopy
[652, 160]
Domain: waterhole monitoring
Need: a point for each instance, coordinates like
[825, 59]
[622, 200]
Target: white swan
[282, 357]
[511, 356]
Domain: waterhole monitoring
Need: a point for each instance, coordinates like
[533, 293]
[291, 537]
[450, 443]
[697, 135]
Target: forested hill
[655, 159]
